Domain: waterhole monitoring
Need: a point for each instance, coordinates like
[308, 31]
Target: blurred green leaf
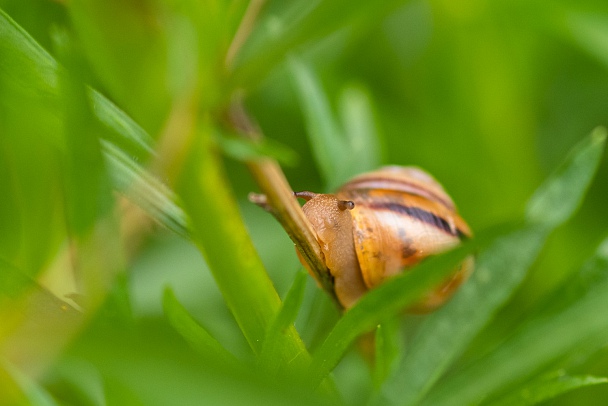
[387, 350]
[33, 393]
[298, 23]
[590, 31]
[554, 202]
[576, 286]
[340, 153]
[247, 150]
[118, 38]
[146, 190]
[126, 145]
[357, 118]
[220, 234]
[547, 388]
[194, 333]
[122, 132]
[31, 217]
[87, 193]
[540, 342]
[149, 366]
[271, 348]
[498, 271]
[446, 332]
[325, 136]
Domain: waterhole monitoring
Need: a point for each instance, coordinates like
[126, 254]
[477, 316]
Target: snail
[382, 222]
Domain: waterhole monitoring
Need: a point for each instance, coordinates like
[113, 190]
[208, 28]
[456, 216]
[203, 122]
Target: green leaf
[145, 190]
[556, 199]
[270, 355]
[387, 350]
[31, 218]
[87, 193]
[126, 146]
[116, 55]
[445, 333]
[357, 118]
[219, 232]
[498, 271]
[31, 392]
[298, 23]
[340, 152]
[194, 333]
[548, 388]
[247, 150]
[540, 342]
[325, 136]
[590, 32]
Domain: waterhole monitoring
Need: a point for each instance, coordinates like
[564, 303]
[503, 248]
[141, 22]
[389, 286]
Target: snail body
[382, 222]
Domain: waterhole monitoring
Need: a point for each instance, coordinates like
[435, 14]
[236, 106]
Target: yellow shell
[400, 216]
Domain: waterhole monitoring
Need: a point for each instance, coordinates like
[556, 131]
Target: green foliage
[130, 100]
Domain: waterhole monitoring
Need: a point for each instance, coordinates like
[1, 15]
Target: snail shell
[400, 216]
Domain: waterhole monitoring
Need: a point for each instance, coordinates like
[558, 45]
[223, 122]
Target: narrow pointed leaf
[387, 351]
[541, 341]
[126, 146]
[325, 136]
[270, 354]
[297, 24]
[545, 389]
[360, 130]
[555, 200]
[195, 334]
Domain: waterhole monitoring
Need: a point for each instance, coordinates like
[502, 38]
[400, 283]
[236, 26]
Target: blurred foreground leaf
[270, 355]
[539, 342]
[247, 150]
[194, 333]
[126, 146]
[548, 388]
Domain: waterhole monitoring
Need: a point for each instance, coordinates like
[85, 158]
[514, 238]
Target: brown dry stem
[279, 200]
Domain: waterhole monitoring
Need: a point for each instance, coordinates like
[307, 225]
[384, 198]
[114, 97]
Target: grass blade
[555, 200]
[126, 146]
[145, 190]
[340, 152]
[299, 24]
[195, 334]
[538, 343]
[269, 358]
[20, 389]
[445, 333]
[360, 129]
[325, 136]
[545, 389]
[387, 351]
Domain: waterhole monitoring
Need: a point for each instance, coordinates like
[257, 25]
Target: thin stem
[245, 28]
[283, 204]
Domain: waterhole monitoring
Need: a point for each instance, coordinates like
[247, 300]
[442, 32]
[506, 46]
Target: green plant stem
[219, 232]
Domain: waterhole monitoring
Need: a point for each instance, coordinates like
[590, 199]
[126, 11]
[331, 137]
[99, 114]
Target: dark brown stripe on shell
[420, 214]
[382, 183]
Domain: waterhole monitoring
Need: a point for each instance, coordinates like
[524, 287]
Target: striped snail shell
[382, 222]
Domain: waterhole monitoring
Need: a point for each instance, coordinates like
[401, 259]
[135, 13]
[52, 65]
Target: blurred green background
[488, 96]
